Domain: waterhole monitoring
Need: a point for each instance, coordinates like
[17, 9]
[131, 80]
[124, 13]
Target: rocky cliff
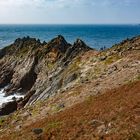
[70, 91]
[39, 70]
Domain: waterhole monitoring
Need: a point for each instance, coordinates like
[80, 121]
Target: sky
[69, 11]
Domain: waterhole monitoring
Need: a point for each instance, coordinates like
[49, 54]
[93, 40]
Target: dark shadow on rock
[8, 108]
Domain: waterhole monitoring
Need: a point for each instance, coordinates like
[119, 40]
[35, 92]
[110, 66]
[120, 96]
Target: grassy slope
[114, 115]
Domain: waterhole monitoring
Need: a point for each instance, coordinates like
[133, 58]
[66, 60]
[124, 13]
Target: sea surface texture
[95, 36]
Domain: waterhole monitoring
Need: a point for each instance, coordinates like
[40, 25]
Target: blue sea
[96, 36]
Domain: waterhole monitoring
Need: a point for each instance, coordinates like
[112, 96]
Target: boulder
[8, 108]
[37, 131]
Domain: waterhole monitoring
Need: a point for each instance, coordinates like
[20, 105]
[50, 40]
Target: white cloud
[61, 11]
[61, 3]
[45, 3]
[20, 2]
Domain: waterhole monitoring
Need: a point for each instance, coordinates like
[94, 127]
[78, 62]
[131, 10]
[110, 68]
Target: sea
[4, 99]
[95, 36]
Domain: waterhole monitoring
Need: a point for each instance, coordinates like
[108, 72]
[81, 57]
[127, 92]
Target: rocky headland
[70, 91]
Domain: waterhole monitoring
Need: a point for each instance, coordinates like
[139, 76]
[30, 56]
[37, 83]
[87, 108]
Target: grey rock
[102, 58]
[14, 98]
[70, 78]
[95, 123]
[112, 69]
[62, 105]
[37, 131]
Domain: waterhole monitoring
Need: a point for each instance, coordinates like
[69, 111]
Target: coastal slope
[70, 90]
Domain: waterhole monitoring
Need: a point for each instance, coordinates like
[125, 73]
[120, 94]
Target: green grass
[53, 125]
[111, 59]
[50, 65]
[138, 77]
[90, 99]
[22, 53]
[135, 136]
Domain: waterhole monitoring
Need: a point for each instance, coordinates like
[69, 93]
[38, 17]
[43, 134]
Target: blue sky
[69, 11]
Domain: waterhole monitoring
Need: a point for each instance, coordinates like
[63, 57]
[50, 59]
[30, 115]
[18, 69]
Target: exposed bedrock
[38, 70]
[41, 70]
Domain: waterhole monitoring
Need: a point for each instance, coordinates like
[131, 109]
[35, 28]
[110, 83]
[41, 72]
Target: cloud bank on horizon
[66, 11]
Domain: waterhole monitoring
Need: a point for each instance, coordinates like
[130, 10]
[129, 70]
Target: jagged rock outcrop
[41, 70]
[124, 47]
[38, 70]
[61, 84]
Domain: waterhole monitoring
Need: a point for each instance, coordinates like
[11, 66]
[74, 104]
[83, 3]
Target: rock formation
[39, 70]
[70, 91]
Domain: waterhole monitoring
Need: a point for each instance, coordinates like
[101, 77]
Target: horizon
[69, 12]
[70, 24]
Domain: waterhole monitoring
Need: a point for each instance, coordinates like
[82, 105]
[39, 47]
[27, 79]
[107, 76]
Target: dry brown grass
[120, 107]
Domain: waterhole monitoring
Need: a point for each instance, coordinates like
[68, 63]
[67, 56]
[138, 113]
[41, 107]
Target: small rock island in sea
[59, 90]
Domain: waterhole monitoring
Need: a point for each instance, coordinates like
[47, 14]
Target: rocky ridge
[38, 70]
[55, 76]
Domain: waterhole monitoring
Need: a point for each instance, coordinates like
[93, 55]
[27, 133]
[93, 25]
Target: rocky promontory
[38, 70]
[70, 91]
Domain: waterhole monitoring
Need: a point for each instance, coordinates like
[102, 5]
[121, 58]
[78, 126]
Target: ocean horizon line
[70, 24]
[95, 35]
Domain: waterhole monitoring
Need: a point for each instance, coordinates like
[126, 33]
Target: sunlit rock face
[39, 70]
